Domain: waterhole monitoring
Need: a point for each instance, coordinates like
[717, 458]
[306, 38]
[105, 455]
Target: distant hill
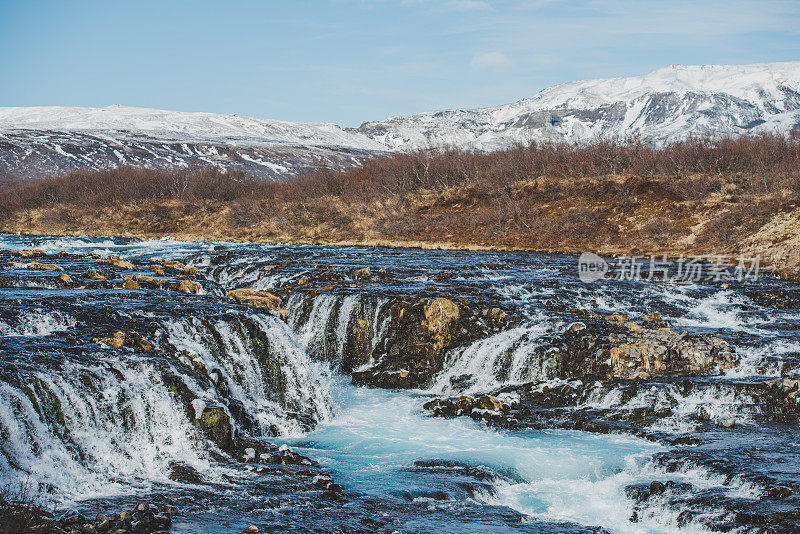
[669, 104]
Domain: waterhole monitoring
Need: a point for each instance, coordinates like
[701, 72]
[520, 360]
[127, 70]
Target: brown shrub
[542, 194]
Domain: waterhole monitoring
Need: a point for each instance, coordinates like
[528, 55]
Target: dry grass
[697, 196]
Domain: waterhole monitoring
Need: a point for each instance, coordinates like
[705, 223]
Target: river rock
[130, 284]
[95, 274]
[215, 423]
[657, 488]
[149, 281]
[181, 472]
[419, 336]
[613, 347]
[36, 266]
[114, 260]
[187, 286]
[259, 299]
[131, 340]
[363, 273]
[780, 492]
[180, 267]
[28, 252]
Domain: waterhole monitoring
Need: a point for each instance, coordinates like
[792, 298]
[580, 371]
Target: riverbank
[775, 237]
[698, 197]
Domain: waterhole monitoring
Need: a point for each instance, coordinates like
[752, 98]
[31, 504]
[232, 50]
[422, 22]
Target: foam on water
[764, 359]
[164, 248]
[720, 311]
[119, 441]
[37, 323]
[601, 500]
[372, 443]
[718, 401]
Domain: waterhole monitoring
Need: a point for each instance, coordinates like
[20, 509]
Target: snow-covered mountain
[42, 141]
[171, 125]
[668, 104]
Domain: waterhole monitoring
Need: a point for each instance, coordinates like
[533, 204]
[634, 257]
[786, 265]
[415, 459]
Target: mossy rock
[49, 405]
[215, 424]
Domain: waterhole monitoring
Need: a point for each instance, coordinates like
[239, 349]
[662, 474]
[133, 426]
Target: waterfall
[263, 366]
[307, 383]
[91, 430]
[508, 357]
[315, 329]
[343, 330]
[106, 421]
[37, 323]
[346, 309]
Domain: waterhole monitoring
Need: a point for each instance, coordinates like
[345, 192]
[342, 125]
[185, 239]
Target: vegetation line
[700, 196]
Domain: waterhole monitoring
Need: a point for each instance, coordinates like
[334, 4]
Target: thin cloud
[467, 5]
[448, 5]
[495, 61]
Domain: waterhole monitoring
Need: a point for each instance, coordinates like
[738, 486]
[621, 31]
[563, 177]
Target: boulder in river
[114, 260]
[131, 340]
[215, 423]
[259, 299]
[613, 347]
[419, 336]
[187, 286]
[95, 274]
[178, 267]
[181, 472]
[130, 284]
[28, 252]
[37, 266]
[363, 273]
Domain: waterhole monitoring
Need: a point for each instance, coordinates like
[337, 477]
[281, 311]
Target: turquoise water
[373, 442]
[416, 473]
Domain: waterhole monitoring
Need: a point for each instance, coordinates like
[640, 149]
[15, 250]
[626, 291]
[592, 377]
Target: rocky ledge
[419, 336]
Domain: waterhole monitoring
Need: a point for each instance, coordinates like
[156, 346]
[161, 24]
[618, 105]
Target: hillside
[46, 141]
[667, 105]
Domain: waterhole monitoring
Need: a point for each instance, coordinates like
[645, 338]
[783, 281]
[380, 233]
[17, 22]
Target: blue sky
[348, 61]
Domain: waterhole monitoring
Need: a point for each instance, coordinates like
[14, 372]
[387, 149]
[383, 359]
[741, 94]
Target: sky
[350, 61]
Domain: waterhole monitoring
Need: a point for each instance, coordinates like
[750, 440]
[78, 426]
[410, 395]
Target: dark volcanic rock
[184, 473]
[613, 347]
[419, 336]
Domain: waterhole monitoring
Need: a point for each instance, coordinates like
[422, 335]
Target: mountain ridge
[708, 99]
[665, 105]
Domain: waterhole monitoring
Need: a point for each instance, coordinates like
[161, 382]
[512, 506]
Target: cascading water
[327, 325]
[91, 430]
[37, 323]
[262, 365]
[315, 330]
[505, 358]
[104, 390]
[110, 422]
